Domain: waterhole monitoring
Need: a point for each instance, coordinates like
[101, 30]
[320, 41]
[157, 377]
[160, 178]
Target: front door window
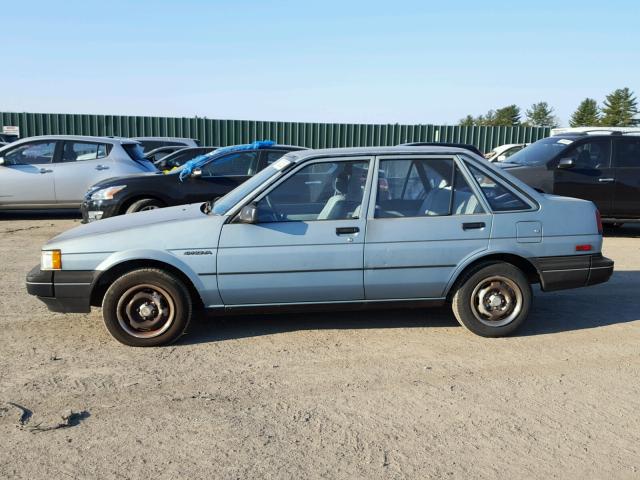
[31, 154]
[320, 191]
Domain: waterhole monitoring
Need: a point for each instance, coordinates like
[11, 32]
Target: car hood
[184, 226]
[507, 165]
[123, 179]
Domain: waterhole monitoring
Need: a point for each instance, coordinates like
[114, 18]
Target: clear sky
[330, 61]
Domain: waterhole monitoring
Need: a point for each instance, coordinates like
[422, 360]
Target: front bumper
[93, 210]
[573, 271]
[64, 291]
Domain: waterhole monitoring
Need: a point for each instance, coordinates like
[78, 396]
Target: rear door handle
[45, 170]
[346, 230]
[473, 225]
[606, 180]
[102, 167]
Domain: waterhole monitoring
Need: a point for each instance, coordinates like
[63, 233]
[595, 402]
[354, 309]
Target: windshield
[540, 152]
[225, 203]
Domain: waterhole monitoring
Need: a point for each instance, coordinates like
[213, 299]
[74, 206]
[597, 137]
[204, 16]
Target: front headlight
[51, 260]
[107, 193]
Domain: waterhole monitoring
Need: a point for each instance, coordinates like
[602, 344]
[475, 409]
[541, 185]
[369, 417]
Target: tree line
[618, 110]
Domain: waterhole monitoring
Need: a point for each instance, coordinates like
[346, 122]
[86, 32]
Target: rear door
[26, 178]
[626, 162]
[80, 165]
[591, 177]
[425, 219]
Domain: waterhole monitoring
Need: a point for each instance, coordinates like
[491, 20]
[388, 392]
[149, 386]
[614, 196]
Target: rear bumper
[64, 291]
[573, 271]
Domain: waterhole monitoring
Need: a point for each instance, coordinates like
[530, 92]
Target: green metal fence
[232, 132]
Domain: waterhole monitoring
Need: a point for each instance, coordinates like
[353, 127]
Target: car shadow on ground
[40, 214]
[611, 303]
[628, 230]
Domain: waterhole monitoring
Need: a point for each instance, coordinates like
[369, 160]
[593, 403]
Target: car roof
[166, 138]
[78, 138]
[370, 151]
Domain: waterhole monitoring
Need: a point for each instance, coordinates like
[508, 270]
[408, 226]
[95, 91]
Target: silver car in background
[55, 171]
[343, 228]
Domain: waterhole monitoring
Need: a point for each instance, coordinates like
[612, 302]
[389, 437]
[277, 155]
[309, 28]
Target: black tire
[135, 293]
[144, 204]
[498, 282]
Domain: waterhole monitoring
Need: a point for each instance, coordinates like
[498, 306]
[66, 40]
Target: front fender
[118, 258]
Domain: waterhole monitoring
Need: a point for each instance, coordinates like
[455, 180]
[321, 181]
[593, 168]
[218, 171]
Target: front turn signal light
[51, 260]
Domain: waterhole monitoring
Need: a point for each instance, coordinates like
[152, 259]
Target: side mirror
[501, 158]
[2, 161]
[566, 163]
[248, 214]
[196, 173]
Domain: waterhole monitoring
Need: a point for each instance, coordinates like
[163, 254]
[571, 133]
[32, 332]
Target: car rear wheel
[493, 300]
[144, 204]
[147, 308]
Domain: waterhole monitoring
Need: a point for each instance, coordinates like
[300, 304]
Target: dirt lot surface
[393, 394]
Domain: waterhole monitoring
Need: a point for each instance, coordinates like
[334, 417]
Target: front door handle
[606, 180]
[102, 167]
[346, 230]
[473, 225]
[45, 170]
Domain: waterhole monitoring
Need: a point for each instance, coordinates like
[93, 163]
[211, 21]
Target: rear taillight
[599, 221]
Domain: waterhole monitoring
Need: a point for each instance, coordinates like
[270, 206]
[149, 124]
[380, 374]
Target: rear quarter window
[500, 198]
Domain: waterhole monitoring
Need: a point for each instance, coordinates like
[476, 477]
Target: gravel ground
[392, 394]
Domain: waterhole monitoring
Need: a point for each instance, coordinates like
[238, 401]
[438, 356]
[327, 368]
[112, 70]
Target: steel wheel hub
[496, 301]
[145, 311]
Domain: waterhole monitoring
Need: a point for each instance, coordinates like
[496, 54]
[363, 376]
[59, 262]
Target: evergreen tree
[467, 121]
[620, 107]
[541, 115]
[587, 114]
[507, 116]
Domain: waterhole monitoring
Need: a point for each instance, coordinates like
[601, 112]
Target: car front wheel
[493, 300]
[144, 204]
[147, 308]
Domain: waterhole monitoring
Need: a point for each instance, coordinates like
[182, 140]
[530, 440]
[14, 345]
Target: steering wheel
[273, 215]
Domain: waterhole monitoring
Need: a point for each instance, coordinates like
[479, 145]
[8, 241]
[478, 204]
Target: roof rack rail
[595, 130]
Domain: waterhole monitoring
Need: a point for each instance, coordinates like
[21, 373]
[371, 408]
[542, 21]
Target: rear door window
[273, 155]
[237, 164]
[626, 152]
[423, 187]
[80, 151]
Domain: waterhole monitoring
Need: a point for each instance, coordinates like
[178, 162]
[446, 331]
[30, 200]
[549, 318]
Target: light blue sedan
[342, 228]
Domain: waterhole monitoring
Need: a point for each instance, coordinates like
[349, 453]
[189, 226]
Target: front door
[591, 176]
[427, 219]
[626, 162]
[26, 177]
[308, 243]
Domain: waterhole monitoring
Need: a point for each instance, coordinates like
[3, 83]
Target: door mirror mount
[566, 163]
[248, 214]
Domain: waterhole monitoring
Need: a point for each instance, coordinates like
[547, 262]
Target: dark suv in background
[603, 168]
[216, 176]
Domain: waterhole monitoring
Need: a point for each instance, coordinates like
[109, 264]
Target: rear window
[135, 151]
